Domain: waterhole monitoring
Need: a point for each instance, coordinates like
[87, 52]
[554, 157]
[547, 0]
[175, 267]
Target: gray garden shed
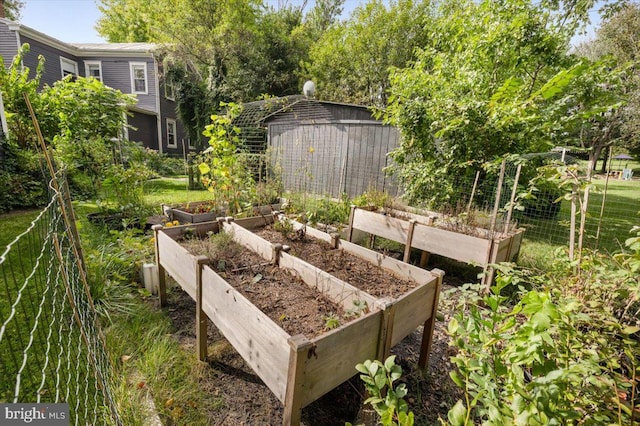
[321, 147]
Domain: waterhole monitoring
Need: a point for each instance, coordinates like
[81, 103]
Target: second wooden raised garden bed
[298, 369]
[421, 232]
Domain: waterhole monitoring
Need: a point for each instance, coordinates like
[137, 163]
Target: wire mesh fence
[51, 344]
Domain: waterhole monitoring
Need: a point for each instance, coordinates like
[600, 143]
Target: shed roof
[259, 112]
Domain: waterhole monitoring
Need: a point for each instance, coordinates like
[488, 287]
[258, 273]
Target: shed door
[311, 157]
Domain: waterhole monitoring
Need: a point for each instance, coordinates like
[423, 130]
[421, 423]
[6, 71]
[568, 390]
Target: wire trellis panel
[51, 345]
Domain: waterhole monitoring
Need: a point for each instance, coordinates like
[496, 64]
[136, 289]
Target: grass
[172, 191]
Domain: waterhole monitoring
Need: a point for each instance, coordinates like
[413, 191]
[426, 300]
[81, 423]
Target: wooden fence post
[162, 277]
[201, 316]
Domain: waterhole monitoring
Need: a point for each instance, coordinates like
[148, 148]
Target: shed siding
[330, 159]
[8, 44]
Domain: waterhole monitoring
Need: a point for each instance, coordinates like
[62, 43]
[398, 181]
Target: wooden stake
[473, 191]
[514, 191]
[496, 206]
[572, 230]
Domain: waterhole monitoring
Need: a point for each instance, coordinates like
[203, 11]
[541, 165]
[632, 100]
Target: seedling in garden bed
[331, 321]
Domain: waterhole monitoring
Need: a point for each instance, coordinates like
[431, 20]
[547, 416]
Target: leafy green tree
[83, 120]
[12, 9]
[351, 61]
[490, 82]
[617, 37]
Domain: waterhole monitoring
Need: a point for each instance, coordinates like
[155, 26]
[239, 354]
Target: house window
[171, 134]
[68, 67]
[169, 91]
[139, 77]
[191, 144]
[93, 69]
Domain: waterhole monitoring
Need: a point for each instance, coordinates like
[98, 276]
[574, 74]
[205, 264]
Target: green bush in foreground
[565, 351]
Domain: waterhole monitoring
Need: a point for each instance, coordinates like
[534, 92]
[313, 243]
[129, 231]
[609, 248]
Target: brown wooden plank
[412, 310]
[261, 342]
[249, 240]
[201, 317]
[453, 245]
[383, 226]
[255, 222]
[429, 325]
[389, 264]
[337, 290]
[178, 263]
[312, 232]
[299, 347]
[200, 229]
[336, 354]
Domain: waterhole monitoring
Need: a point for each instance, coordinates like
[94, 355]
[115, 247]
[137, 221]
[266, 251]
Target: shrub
[565, 351]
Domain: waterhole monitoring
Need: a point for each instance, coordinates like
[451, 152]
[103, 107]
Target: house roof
[83, 49]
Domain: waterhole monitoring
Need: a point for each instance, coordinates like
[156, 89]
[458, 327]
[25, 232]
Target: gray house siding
[52, 68]
[116, 73]
[8, 44]
[145, 129]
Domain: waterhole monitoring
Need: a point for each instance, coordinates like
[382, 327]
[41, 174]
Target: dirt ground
[247, 401]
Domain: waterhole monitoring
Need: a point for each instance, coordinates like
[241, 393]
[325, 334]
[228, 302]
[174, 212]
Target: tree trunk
[603, 170]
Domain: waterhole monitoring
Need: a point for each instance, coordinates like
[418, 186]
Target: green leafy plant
[386, 397]
[331, 321]
[560, 353]
[359, 307]
[223, 170]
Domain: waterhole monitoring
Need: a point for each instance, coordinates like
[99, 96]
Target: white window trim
[86, 68]
[175, 133]
[68, 61]
[146, 78]
[166, 95]
[191, 146]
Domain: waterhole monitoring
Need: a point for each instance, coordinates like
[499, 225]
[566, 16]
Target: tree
[351, 61]
[618, 37]
[12, 9]
[475, 92]
[82, 120]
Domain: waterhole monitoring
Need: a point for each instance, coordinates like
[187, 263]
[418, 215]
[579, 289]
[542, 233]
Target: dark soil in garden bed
[283, 297]
[352, 269]
[248, 401]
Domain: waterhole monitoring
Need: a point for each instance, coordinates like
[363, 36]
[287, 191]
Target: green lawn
[172, 191]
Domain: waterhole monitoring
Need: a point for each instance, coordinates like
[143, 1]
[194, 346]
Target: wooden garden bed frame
[297, 369]
[177, 212]
[419, 232]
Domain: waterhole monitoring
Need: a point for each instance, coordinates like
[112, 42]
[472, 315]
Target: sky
[73, 21]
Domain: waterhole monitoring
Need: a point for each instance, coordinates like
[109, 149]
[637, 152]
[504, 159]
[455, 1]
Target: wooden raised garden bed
[204, 211]
[415, 231]
[301, 368]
